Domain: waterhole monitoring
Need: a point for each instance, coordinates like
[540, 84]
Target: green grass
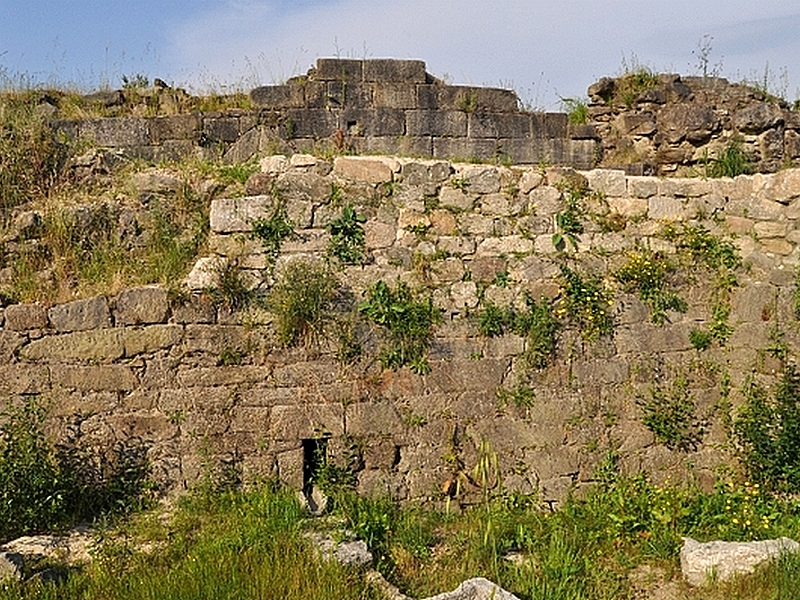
[249, 544]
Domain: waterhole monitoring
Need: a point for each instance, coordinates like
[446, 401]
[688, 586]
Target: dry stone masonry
[196, 386]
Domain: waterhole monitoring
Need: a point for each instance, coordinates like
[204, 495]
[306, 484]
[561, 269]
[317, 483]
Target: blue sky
[545, 49]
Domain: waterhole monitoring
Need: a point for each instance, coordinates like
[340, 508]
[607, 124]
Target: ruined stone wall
[355, 106]
[202, 387]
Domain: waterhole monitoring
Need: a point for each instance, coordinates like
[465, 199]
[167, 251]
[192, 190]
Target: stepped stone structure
[192, 385]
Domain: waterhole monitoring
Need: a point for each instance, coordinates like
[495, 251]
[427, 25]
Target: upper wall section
[345, 106]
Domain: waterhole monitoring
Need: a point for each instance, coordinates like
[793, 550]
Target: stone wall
[354, 106]
[201, 387]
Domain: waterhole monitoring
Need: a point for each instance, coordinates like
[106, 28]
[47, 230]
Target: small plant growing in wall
[669, 412]
[577, 110]
[586, 302]
[647, 274]
[271, 232]
[347, 243]
[408, 321]
[766, 432]
[568, 222]
[302, 301]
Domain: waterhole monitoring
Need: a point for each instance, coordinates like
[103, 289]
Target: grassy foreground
[621, 541]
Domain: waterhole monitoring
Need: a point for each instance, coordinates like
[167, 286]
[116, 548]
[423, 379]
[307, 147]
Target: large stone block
[176, 127]
[390, 95]
[308, 421]
[472, 99]
[340, 94]
[497, 125]
[309, 123]
[109, 378]
[149, 339]
[232, 215]
[278, 96]
[438, 123]
[373, 122]
[141, 305]
[99, 345]
[24, 379]
[464, 149]
[373, 418]
[116, 132]
[81, 315]
[394, 71]
[361, 168]
[22, 317]
[549, 125]
[339, 69]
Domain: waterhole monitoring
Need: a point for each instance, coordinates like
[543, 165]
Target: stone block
[498, 125]
[339, 69]
[610, 182]
[394, 71]
[378, 234]
[215, 338]
[278, 96]
[549, 125]
[175, 127]
[457, 198]
[373, 418]
[464, 149]
[223, 375]
[290, 468]
[395, 96]
[250, 418]
[149, 339]
[665, 208]
[122, 132]
[461, 375]
[81, 315]
[480, 179]
[374, 122]
[504, 246]
[457, 245]
[437, 123]
[474, 99]
[24, 379]
[309, 123]
[705, 563]
[361, 168]
[308, 421]
[22, 317]
[349, 95]
[221, 129]
[109, 378]
[232, 215]
[141, 305]
[98, 345]
[306, 374]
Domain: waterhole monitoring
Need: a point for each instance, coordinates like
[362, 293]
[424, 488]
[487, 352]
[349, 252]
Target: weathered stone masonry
[150, 372]
[363, 106]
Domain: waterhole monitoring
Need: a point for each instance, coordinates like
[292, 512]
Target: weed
[409, 322]
[30, 155]
[569, 221]
[469, 102]
[669, 412]
[347, 243]
[647, 273]
[540, 326]
[730, 162]
[230, 357]
[585, 301]
[44, 488]
[633, 83]
[302, 300]
[459, 183]
[700, 340]
[231, 290]
[521, 396]
[494, 321]
[767, 432]
[272, 231]
[577, 110]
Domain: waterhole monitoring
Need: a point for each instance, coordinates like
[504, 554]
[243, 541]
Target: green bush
[347, 243]
[43, 488]
[302, 301]
[408, 321]
[648, 274]
[767, 433]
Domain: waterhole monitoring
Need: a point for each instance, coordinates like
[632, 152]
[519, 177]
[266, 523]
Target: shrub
[347, 242]
[669, 412]
[585, 301]
[408, 321]
[301, 301]
[766, 432]
[272, 231]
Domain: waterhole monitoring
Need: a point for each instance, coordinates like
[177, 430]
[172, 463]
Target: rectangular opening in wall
[314, 456]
